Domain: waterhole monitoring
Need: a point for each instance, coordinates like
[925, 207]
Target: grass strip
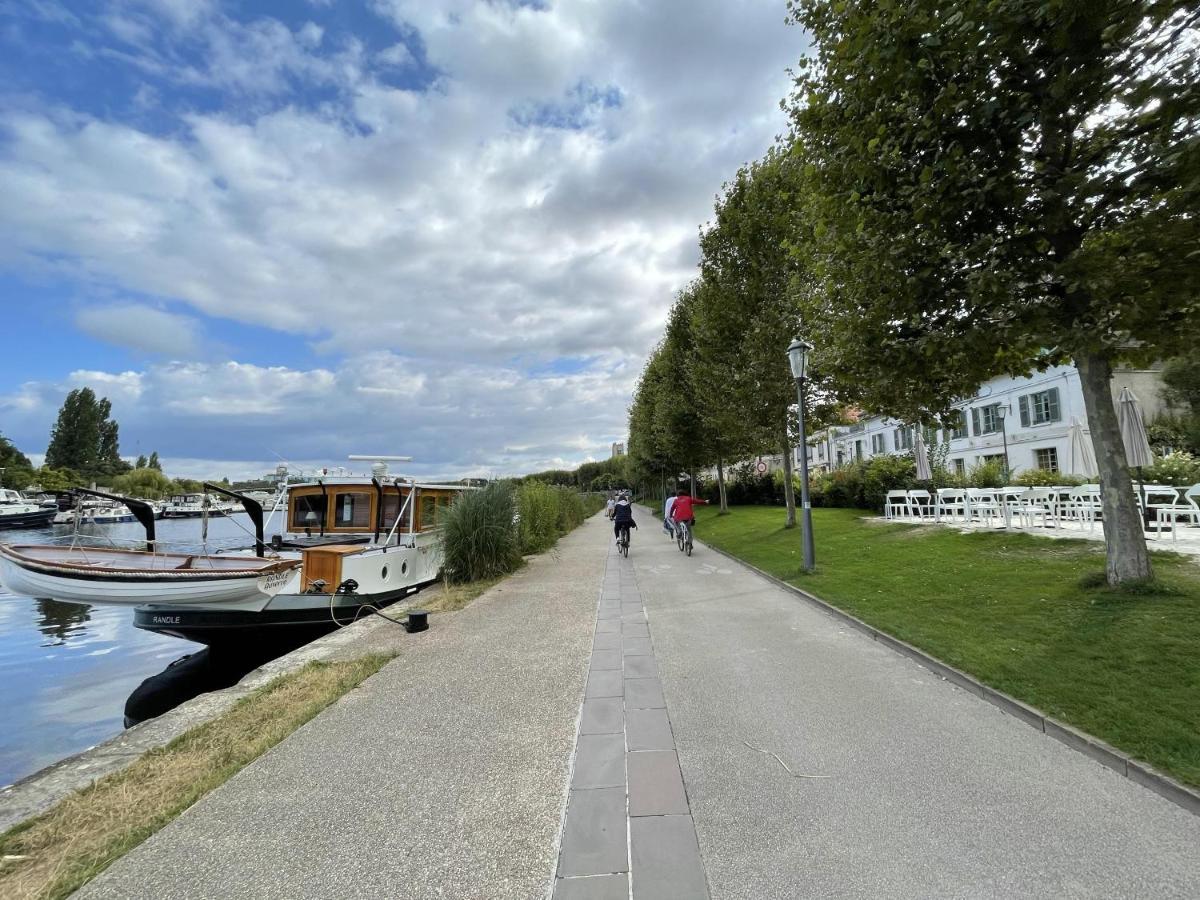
[1028, 615]
[454, 597]
[57, 852]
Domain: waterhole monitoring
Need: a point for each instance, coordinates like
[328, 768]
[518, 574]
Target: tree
[85, 438]
[680, 427]
[17, 471]
[750, 316]
[141, 462]
[75, 439]
[648, 459]
[998, 186]
[143, 482]
[153, 462]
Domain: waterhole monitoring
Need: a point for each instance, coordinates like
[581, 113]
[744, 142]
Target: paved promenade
[663, 727]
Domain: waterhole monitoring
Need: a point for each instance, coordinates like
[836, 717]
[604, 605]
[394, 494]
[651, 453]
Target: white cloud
[431, 232]
[143, 328]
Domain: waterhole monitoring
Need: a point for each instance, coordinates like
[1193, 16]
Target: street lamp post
[798, 359]
[1001, 414]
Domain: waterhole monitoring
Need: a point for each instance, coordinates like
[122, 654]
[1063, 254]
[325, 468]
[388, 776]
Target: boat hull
[288, 625]
[38, 518]
[72, 581]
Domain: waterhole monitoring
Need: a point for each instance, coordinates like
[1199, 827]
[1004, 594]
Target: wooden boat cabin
[331, 508]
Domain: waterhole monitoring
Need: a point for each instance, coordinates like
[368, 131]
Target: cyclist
[668, 525]
[609, 506]
[622, 516]
[682, 510]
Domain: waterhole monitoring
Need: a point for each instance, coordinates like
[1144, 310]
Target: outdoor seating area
[1061, 511]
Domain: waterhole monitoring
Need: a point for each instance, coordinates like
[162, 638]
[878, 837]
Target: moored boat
[18, 512]
[112, 575]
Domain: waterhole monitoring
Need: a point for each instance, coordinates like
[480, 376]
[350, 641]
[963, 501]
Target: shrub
[537, 516]
[1046, 478]
[987, 475]
[1179, 468]
[479, 539]
[886, 473]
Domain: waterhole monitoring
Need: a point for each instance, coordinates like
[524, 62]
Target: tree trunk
[1125, 542]
[721, 486]
[789, 493]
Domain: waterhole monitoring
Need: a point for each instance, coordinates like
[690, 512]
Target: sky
[301, 229]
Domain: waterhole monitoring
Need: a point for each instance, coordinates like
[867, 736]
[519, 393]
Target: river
[66, 668]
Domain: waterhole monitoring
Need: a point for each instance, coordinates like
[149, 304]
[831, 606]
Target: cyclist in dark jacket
[622, 516]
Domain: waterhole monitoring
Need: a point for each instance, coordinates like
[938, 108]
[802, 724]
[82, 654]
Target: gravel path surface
[444, 775]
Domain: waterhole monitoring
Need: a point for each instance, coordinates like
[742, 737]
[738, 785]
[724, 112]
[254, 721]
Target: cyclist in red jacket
[682, 511]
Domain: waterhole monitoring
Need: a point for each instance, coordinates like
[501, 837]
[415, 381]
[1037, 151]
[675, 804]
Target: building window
[1047, 458]
[985, 419]
[997, 458]
[1040, 408]
[956, 425]
[821, 451]
[930, 434]
[960, 466]
[877, 443]
[858, 450]
[903, 437]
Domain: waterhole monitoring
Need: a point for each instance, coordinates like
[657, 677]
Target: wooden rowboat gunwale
[27, 555]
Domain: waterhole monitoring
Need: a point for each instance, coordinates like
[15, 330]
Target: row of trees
[969, 189]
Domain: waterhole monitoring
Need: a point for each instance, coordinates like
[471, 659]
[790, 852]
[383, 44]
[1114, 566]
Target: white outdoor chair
[1185, 508]
[1035, 503]
[1010, 500]
[920, 505]
[1083, 505]
[984, 505]
[950, 502]
[896, 504]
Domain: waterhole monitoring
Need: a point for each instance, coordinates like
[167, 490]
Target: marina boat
[112, 575]
[95, 512]
[348, 544]
[361, 543]
[193, 506]
[18, 512]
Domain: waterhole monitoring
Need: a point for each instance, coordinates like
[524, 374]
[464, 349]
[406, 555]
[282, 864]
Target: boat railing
[87, 541]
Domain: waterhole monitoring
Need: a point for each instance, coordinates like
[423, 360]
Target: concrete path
[601, 728]
[923, 791]
[444, 775]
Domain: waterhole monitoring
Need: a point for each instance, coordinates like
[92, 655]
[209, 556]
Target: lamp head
[797, 353]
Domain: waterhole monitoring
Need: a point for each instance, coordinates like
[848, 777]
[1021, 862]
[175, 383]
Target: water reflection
[61, 620]
[67, 668]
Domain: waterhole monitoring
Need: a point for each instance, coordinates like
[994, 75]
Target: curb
[1121, 763]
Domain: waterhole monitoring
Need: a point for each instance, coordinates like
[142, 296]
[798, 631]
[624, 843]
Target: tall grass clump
[539, 507]
[479, 539]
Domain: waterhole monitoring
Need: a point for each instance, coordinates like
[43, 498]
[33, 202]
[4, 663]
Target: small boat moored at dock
[19, 512]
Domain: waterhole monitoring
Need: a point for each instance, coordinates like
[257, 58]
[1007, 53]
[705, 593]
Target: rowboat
[121, 577]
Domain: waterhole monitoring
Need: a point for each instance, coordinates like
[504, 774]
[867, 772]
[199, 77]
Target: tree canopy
[85, 438]
[994, 186]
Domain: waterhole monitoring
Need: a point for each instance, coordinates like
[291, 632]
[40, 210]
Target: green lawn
[1018, 612]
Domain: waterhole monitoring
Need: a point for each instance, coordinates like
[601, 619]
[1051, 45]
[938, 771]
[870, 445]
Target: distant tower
[618, 449]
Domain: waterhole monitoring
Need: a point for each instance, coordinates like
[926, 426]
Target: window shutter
[975, 420]
[1052, 413]
[1023, 402]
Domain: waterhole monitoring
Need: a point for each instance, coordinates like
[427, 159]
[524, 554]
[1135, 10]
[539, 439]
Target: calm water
[66, 668]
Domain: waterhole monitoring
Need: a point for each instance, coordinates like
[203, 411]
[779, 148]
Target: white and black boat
[198, 505]
[95, 512]
[19, 512]
[348, 544]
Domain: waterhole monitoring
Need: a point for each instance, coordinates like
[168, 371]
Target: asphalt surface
[444, 775]
[927, 791]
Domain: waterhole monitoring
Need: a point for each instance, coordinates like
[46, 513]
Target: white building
[1032, 415]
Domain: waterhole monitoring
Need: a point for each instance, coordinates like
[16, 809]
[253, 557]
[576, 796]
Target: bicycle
[623, 542]
[683, 536]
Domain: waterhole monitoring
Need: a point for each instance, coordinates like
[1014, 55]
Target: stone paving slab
[666, 859]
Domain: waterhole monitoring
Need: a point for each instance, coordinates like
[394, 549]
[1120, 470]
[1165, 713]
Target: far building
[618, 449]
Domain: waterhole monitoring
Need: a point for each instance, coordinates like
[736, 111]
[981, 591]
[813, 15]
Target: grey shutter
[1053, 414]
[975, 420]
[1023, 402]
